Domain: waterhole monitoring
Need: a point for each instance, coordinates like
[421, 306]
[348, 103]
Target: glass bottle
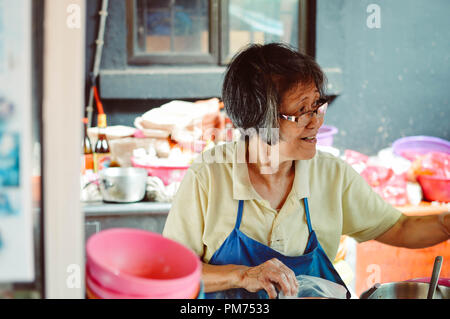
[88, 156]
[102, 151]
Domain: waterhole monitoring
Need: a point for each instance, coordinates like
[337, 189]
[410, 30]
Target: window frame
[135, 56]
[218, 24]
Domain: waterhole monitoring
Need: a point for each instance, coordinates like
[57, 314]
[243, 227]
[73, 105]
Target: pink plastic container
[326, 135]
[103, 293]
[435, 188]
[134, 262]
[168, 174]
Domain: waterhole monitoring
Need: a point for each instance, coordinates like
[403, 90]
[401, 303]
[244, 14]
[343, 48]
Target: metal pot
[404, 290]
[123, 184]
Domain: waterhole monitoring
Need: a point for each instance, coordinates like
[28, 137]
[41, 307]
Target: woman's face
[298, 100]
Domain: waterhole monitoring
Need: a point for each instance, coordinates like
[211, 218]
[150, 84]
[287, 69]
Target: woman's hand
[268, 276]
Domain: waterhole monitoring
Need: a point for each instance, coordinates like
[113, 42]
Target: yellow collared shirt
[204, 210]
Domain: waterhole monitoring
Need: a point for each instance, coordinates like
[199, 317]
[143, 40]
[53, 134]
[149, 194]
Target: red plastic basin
[435, 188]
[168, 174]
[141, 263]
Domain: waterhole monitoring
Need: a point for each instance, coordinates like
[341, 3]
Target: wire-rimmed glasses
[320, 108]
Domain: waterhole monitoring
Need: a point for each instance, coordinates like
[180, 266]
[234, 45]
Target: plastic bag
[386, 174]
[392, 188]
[357, 160]
[156, 191]
[310, 286]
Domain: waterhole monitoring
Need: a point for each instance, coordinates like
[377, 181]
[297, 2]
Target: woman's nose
[314, 121]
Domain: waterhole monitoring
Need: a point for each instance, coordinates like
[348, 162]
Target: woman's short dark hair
[256, 79]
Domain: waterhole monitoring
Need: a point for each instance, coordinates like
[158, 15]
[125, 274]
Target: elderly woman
[267, 208]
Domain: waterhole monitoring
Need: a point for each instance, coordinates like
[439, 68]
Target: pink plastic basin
[326, 134]
[141, 263]
[441, 282]
[435, 188]
[101, 292]
[168, 174]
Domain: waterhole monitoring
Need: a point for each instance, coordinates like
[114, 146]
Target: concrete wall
[392, 81]
[396, 78]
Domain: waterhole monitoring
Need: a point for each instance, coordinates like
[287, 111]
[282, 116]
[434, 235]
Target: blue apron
[239, 249]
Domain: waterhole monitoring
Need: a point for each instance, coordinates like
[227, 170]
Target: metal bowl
[406, 290]
[123, 184]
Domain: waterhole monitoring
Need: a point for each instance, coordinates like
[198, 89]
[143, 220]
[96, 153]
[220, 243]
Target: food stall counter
[144, 215]
[377, 262]
[101, 208]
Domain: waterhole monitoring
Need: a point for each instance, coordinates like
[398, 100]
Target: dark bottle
[88, 154]
[102, 151]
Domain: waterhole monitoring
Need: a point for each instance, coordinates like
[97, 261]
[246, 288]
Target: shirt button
[276, 241]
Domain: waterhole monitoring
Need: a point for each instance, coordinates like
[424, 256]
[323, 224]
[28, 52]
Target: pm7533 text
[246, 308]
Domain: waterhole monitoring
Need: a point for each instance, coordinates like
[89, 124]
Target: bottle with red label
[229, 130]
[87, 159]
[102, 153]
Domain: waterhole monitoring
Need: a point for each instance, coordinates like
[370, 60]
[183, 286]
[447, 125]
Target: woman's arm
[418, 231]
[273, 273]
[221, 277]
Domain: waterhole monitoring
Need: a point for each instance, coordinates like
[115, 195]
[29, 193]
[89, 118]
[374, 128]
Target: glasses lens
[322, 110]
[304, 119]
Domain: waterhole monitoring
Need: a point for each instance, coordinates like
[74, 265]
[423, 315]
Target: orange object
[342, 250]
[36, 189]
[99, 103]
[377, 262]
[90, 294]
[195, 295]
[172, 143]
[88, 155]
[431, 164]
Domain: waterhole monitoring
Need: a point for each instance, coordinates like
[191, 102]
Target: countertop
[101, 208]
[424, 208]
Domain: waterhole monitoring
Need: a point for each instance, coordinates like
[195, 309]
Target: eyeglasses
[303, 119]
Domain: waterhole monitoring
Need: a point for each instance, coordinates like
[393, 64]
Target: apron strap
[308, 219]
[239, 214]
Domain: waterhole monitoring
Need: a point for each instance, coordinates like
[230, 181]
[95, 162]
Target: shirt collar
[242, 187]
